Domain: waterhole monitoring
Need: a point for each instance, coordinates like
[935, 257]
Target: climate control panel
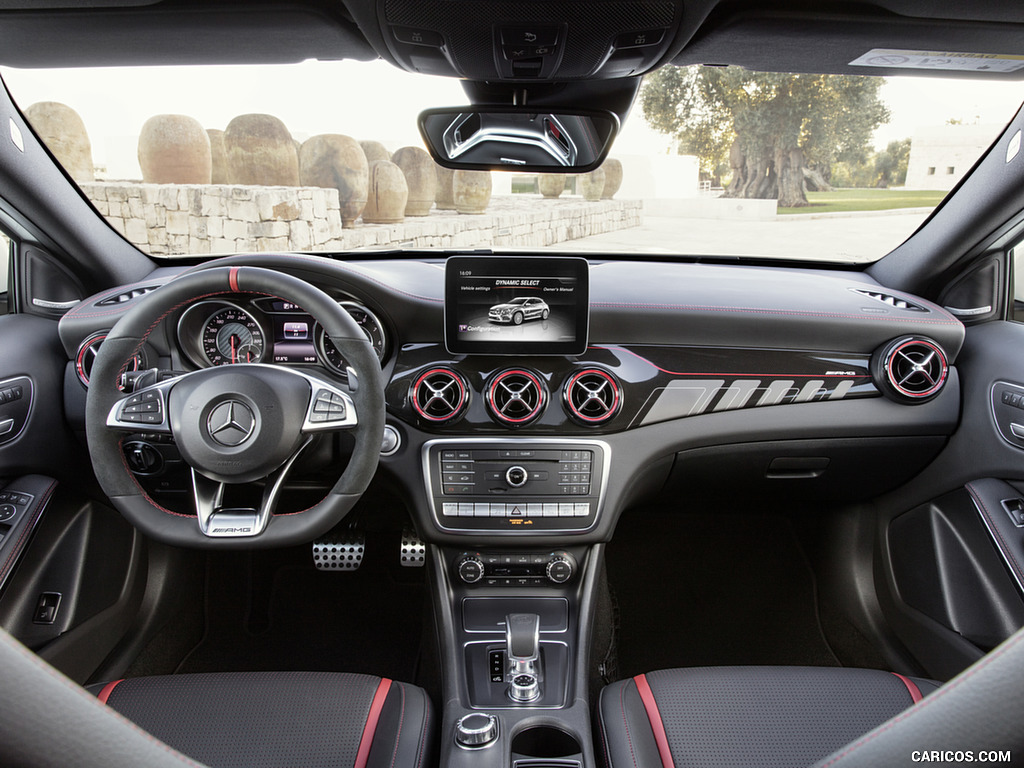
[517, 486]
[518, 569]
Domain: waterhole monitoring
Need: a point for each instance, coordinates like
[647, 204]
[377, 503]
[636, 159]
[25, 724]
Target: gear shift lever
[522, 644]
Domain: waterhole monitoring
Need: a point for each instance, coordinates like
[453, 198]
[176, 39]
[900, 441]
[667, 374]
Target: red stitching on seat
[654, 715]
[911, 711]
[108, 689]
[401, 719]
[372, 718]
[423, 736]
[915, 692]
[625, 723]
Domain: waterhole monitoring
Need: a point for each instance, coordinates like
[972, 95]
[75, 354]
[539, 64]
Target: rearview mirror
[518, 139]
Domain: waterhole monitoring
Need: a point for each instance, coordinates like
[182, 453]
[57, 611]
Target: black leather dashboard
[695, 354]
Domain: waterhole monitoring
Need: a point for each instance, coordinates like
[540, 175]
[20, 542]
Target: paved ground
[845, 238]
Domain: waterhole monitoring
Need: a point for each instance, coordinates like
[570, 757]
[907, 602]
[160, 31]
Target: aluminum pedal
[414, 551]
[343, 553]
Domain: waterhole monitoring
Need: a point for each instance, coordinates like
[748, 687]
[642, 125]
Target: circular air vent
[592, 396]
[86, 357]
[516, 397]
[911, 369]
[440, 395]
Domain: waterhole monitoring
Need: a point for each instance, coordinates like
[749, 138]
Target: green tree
[891, 164]
[774, 130]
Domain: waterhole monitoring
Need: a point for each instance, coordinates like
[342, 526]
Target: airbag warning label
[892, 58]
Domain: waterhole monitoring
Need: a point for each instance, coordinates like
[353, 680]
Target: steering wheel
[235, 424]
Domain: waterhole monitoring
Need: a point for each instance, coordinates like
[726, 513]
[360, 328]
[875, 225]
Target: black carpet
[275, 611]
[711, 589]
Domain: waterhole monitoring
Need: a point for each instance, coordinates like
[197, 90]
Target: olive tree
[776, 132]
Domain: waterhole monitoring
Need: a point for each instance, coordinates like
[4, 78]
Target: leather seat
[275, 719]
[755, 717]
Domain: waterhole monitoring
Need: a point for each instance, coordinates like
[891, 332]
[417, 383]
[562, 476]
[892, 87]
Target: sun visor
[242, 33]
[869, 44]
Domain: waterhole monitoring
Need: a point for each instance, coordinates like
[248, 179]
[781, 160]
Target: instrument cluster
[226, 331]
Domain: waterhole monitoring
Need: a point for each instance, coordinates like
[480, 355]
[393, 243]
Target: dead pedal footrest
[341, 553]
[414, 551]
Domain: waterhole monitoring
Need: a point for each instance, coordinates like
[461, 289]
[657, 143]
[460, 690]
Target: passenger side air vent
[591, 396]
[910, 370]
[440, 395]
[121, 298]
[516, 397]
[892, 301]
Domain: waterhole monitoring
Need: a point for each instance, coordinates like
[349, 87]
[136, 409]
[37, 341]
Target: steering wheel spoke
[330, 408]
[217, 521]
[143, 411]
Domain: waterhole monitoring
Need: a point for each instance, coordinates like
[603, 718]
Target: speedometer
[231, 335]
[370, 325]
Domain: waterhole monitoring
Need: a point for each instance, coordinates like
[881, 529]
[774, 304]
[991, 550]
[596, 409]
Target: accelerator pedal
[340, 553]
[414, 551]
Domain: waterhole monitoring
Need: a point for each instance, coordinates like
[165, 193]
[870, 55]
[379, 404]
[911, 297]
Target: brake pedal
[343, 553]
[414, 551]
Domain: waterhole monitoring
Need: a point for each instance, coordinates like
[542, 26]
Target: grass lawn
[841, 200]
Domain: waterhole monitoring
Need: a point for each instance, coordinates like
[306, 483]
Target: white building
[940, 157]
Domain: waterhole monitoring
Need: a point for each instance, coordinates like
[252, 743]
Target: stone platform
[169, 219]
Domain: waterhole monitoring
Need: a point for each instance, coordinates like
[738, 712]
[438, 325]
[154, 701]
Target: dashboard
[542, 396]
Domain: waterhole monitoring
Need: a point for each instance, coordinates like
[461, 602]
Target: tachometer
[231, 335]
[366, 320]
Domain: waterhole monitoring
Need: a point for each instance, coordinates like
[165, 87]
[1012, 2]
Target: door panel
[949, 580]
[72, 571]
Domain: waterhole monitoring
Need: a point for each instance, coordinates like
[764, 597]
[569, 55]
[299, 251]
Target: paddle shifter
[522, 645]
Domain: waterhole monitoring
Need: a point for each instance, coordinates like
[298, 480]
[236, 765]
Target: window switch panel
[1015, 509]
[46, 608]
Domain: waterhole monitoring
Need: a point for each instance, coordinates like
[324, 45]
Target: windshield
[326, 157]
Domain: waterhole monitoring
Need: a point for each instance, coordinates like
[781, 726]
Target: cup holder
[545, 741]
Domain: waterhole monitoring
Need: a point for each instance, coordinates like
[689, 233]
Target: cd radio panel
[515, 486]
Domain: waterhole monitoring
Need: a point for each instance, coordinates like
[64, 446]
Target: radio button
[516, 476]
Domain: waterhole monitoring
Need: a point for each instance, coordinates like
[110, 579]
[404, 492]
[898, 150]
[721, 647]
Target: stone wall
[168, 219]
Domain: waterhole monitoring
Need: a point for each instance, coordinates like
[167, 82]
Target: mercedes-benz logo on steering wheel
[231, 423]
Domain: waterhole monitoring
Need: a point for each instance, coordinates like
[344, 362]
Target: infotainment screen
[501, 305]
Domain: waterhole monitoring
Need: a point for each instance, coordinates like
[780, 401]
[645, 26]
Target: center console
[514, 586]
[516, 649]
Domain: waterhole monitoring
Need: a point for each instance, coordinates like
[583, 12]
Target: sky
[374, 100]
